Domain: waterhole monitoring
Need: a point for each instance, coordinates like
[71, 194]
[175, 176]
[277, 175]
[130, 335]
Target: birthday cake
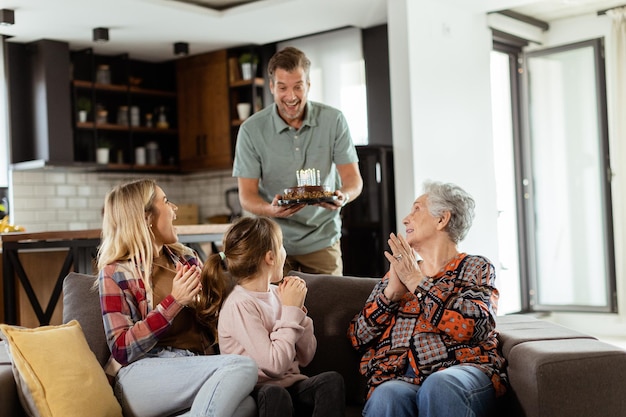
[309, 189]
[307, 192]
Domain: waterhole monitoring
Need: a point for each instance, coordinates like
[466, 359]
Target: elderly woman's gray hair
[444, 197]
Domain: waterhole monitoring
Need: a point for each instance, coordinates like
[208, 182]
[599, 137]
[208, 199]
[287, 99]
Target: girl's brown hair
[245, 245]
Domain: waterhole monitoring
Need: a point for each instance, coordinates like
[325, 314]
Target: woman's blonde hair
[126, 233]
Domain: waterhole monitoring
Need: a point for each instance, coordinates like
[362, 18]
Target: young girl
[160, 321]
[269, 323]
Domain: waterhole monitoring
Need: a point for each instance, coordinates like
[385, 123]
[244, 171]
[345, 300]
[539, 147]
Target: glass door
[566, 176]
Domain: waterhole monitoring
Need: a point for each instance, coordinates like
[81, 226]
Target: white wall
[441, 118]
[441, 109]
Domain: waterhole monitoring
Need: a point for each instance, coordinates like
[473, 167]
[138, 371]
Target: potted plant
[248, 62]
[83, 104]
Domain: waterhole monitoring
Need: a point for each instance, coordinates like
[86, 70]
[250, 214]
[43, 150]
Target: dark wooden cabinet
[210, 86]
[130, 104]
[203, 112]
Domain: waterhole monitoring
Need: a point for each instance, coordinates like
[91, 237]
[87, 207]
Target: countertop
[182, 230]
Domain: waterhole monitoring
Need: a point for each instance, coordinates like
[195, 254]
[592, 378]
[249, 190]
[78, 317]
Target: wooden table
[81, 248]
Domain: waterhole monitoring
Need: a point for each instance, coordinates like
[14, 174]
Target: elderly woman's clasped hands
[404, 273]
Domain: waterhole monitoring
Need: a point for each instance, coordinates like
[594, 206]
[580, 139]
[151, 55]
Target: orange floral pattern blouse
[448, 320]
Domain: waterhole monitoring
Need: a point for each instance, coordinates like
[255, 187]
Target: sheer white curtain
[338, 75]
[616, 97]
[4, 118]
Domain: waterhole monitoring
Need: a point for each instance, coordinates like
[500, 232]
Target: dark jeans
[321, 395]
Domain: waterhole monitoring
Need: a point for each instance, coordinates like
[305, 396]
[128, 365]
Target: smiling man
[290, 135]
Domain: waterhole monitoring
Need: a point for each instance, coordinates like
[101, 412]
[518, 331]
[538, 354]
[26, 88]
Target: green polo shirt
[272, 151]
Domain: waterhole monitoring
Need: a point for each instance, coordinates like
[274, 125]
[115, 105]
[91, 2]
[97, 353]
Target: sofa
[554, 371]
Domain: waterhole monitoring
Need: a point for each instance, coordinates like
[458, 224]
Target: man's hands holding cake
[280, 209]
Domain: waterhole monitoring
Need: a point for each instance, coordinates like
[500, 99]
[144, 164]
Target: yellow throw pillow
[57, 374]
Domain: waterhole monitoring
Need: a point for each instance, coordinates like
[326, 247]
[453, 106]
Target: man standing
[290, 135]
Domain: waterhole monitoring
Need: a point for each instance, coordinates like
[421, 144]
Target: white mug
[102, 155]
[243, 110]
[140, 155]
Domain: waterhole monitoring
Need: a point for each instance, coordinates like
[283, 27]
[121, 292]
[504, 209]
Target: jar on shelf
[134, 116]
[140, 155]
[152, 153]
[122, 115]
[103, 74]
[162, 122]
[102, 116]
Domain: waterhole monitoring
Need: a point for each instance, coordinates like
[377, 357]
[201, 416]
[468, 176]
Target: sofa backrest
[82, 302]
[332, 301]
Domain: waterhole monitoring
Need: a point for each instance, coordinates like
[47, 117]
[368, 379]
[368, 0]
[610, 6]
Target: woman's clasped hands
[186, 284]
[404, 272]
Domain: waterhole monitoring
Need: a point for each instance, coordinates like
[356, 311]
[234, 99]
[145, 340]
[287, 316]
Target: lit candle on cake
[309, 189]
[308, 176]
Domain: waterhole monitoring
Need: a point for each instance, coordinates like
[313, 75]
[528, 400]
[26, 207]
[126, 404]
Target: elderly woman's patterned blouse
[448, 320]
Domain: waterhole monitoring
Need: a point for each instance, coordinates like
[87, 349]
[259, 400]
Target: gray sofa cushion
[82, 302]
[331, 310]
[568, 377]
[9, 404]
[516, 329]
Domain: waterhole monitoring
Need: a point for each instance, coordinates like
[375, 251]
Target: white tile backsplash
[46, 200]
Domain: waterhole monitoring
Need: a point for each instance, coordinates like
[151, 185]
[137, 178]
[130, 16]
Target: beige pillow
[57, 374]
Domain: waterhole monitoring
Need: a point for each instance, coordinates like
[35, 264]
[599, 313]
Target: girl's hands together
[292, 291]
[187, 284]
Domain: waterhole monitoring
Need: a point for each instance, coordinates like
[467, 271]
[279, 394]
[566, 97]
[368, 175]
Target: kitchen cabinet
[210, 86]
[130, 104]
[203, 112]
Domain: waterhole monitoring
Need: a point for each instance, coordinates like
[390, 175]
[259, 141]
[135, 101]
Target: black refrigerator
[368, 220]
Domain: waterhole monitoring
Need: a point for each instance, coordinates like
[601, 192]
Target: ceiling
[549, 11]
[147, 29]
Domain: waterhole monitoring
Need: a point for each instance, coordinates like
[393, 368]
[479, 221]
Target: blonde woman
[160, 321]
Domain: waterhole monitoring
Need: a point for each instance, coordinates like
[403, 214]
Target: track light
[181, 48]
[7, 17]
[101, 34]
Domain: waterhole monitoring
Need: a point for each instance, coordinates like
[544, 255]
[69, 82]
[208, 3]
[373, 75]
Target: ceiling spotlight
[181, 48]
[7, 17]
[101, 35]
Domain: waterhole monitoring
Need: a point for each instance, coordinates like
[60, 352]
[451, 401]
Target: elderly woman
[427, 331]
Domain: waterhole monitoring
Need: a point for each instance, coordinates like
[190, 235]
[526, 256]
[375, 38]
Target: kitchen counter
[39, 262]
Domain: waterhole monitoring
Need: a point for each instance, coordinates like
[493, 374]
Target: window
[503, 80]
[338, 75]
[552, 162]
[567, 191]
